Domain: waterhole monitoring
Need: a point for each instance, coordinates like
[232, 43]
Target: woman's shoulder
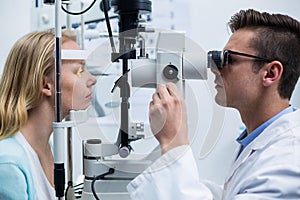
[11, 151]
[14, 165]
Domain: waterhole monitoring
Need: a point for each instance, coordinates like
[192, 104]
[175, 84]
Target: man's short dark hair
[277, 38]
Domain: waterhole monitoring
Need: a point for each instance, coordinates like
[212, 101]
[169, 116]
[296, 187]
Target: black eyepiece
[214, 59]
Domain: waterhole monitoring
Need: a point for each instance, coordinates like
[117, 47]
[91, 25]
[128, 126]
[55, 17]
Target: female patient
[27, 96]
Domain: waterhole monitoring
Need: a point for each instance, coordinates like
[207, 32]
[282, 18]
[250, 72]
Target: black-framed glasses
[220, 59]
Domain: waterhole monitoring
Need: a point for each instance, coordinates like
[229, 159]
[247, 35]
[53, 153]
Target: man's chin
[221, 101]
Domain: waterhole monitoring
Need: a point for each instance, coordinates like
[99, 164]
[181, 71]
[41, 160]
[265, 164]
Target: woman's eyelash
[80, 70]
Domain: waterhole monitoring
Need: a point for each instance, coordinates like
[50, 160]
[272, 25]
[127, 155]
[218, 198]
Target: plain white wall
[15, 22]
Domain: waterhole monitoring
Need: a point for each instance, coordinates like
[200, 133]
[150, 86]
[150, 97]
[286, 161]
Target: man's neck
[253, 118]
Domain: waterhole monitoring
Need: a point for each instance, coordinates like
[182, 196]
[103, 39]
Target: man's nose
[215, 70]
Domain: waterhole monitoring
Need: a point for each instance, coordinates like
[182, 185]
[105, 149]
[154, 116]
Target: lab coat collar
[275, 130]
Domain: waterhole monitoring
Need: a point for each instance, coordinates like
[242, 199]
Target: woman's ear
[47, 86]
[272, 73]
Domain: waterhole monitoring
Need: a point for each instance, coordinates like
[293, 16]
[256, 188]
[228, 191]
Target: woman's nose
[92, 80]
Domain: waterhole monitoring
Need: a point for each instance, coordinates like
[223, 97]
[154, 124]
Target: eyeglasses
[220, 59]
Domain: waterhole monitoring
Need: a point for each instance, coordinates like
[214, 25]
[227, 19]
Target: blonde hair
[30, 59]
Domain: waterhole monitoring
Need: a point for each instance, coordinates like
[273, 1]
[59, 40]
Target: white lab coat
[268, 168]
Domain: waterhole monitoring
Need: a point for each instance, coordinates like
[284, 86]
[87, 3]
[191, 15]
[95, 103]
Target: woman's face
[77, 82]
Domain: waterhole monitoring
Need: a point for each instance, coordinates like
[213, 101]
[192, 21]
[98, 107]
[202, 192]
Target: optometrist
[258, 73]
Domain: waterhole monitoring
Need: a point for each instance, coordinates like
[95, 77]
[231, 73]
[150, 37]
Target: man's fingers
[163, 92]
[173, 90]
[155, 98]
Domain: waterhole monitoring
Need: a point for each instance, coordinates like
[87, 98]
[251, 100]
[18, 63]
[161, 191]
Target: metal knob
[170, 72]
[124, 152]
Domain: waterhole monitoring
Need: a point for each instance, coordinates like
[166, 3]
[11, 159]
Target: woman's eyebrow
[83, 62]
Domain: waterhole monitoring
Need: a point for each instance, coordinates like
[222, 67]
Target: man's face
[236, 83]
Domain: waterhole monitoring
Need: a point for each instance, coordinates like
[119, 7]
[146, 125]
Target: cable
[75, 187]
[81, 12]
[101, 176]
[113, 48]
[69, 185]
[101, 19]
[66, 193]
[94, 21]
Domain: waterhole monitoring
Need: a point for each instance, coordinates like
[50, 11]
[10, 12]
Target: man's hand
[168, 119]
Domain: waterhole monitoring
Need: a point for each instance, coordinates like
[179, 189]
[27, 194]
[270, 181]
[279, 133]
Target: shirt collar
[245, 139]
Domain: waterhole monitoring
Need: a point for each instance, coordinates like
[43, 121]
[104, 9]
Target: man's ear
[47, 86]
[272, 73]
